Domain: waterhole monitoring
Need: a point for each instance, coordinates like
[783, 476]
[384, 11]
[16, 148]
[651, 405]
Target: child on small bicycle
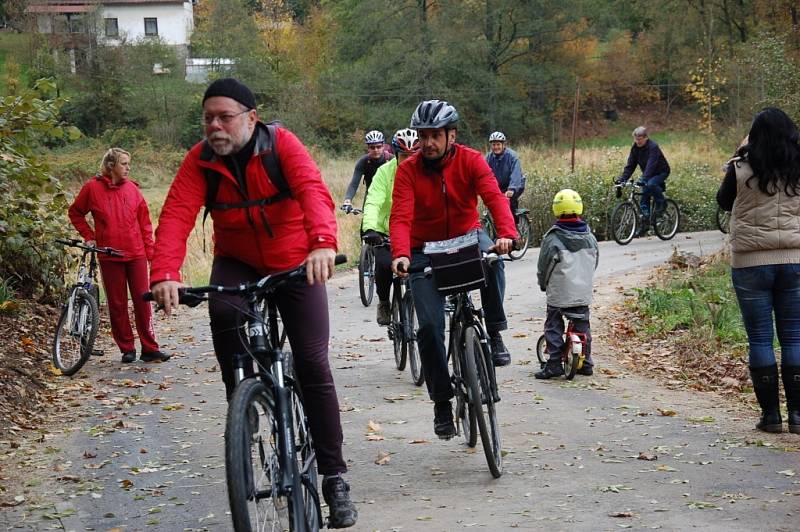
[567, 260]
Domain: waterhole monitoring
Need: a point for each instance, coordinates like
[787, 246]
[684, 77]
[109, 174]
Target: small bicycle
[627, 218]
[79, 322]
[573, 354]
[403, 330]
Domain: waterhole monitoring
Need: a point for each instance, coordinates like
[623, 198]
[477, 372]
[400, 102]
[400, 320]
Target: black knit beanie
[231, 88]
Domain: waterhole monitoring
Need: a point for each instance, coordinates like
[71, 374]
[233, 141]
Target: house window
[151, 27]
[112, 27]
[75, 23]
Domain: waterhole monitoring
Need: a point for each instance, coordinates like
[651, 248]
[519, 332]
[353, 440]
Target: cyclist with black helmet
[505, 164]
[375, 224]
[436, 198]
[377, 154]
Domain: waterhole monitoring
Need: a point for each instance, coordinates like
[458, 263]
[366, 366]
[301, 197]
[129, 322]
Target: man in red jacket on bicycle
[436, 198]
[258, 229]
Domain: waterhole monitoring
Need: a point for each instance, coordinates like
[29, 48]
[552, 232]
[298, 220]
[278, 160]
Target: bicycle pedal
[98, 352]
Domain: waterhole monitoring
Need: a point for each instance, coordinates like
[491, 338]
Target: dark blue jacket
[507, 170]
[649, 158]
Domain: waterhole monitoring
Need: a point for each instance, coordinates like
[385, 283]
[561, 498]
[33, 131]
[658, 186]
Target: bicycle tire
[76, 332]
[569, 359]
[366, 274]
[307, 465]
[479, 383]
[666, 224]
[541, 350]
[397, 328]
[488, 226]
[723, 219]
[411, 326]
[94, 291]
[524, 240]
[465, 413]
[624, 223]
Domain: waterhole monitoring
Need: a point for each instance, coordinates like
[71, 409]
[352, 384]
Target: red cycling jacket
[436, 204]
[299, 224]
[121, 218]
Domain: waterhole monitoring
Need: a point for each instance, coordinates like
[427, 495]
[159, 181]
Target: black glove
[373, 238]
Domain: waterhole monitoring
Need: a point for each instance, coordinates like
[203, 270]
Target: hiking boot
[791, 385]
[336, 492]
[549, 371]
[155, 356]
[443, 424]
[644, 227]
[766, 388]
[384, 313]
[128, 357]
[586, 369]
[500, 354]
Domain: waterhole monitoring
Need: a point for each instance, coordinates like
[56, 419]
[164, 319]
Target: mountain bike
[522, 220]
[270, 463]
[403, 330]
[723, 219]
[79, 322]
[366, 265]
[627, 218]
[573, 354]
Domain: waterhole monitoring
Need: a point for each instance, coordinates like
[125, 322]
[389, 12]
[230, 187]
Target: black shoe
[500, 354]
[384, 316]
[766, 388]
[643, 228]
[549, 371]
[128, 357]
[586, 369]
[791, 385]
[336, 492]
[155, 356]
[443, 424]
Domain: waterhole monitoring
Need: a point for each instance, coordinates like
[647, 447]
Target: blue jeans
[429, 305]
[762, 291]
[653, 187]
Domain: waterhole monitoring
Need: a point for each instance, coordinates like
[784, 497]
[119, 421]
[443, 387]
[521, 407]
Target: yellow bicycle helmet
[567, 201]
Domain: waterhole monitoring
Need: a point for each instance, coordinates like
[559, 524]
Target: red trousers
[117, 278]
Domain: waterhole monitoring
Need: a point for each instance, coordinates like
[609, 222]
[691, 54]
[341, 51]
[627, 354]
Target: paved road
[147, 453]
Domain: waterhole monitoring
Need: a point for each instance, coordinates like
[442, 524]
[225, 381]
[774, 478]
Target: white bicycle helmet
[406, 140]
[497, 136]
[374, 137]
[433, 114]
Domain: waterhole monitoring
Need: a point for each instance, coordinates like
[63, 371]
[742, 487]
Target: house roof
[81, 6]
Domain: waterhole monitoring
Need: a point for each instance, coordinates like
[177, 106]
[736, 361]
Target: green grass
[15, 46]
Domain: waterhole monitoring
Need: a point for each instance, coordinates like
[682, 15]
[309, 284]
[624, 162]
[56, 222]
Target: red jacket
[437, 204]
[299, 224]
[121, 218]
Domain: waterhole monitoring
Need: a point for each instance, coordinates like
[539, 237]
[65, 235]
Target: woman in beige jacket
[762, 191]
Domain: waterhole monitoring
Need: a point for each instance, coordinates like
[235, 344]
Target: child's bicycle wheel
[572, 356]
[541, 351]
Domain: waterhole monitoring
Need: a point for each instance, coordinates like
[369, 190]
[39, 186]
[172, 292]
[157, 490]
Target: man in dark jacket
[655, 169]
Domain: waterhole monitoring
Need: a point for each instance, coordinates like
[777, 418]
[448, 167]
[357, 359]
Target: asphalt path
[140, 447]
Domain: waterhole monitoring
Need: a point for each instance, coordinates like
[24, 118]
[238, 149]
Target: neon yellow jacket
[378, 204]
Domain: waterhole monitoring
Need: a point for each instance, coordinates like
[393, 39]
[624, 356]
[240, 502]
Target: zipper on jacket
[446, 210]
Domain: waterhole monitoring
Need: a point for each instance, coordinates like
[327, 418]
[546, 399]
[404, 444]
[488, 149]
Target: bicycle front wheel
[366, 274]
[723, 220]
[623, 223]
[571, 356]
[666, 222]
[465, 413]
[76, 332]
[411, 326]
[480, 384]
[396, 329]
[524, 240]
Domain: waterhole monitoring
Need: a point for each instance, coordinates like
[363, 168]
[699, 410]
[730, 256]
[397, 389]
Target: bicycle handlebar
[76, 243]
[350, 210]
[490, 259]
[191, 296]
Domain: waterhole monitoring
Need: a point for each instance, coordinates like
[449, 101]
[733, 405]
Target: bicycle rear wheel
[76, 332]
[366, 274]
[396, 329]
[623, 223]
[666, 223]
[411, 325]
[723, 220]
[541, 350]
[524, 240]
[479, 383]
[488, 226]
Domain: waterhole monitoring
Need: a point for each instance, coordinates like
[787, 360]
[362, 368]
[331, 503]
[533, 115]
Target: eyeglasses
[375, 146]
[226, 118]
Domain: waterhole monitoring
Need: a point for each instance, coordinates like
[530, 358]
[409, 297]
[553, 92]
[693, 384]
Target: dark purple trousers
[304, 311]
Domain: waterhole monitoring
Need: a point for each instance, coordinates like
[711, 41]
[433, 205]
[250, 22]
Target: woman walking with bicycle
[121, 221]
[762, 190]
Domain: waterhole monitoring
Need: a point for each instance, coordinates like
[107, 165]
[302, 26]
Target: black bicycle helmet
[432, 114]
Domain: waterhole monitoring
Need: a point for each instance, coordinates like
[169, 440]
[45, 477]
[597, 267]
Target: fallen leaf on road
[787, 472]
[621, 514]
[418, 441]
[375, 437]
[647, 456]
[126, 484]
[383, 458]
[666, 412]
[372, 426]
[702, 419]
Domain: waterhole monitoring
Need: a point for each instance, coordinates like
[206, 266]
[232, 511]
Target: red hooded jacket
[436, 204]
[299, 224]
[121, 218]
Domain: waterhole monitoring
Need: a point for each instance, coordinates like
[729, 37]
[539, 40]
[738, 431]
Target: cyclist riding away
[435, 198]
[375, 224]
[377, 154]
[121, 221]
[261, 227]
[506, 167]
[567, 260]
[646, 154]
